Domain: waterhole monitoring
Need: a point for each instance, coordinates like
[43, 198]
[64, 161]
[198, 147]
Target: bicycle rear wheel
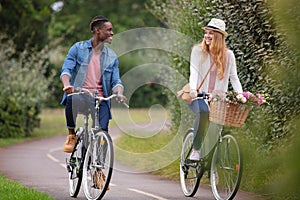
[75, 164]
[190, 171]
[226, 169]
[98, 166]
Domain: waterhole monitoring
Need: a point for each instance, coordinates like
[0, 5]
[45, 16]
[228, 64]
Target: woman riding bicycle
[211, 55]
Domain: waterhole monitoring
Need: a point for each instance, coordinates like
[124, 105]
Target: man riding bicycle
[92, 65]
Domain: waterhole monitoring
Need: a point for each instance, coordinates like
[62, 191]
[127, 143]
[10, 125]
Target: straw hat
[216, 25]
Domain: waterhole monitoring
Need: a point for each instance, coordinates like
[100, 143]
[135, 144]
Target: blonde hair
[217, 50]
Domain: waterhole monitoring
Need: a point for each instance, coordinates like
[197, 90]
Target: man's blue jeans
[85, 104]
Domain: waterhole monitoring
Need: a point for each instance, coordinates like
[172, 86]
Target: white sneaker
[195, 155]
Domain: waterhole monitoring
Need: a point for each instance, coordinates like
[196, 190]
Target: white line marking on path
[54, 149]
[52, 158]
[147, 194]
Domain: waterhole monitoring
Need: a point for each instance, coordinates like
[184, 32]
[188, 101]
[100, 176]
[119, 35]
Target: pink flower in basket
[247, 95]
[260, 99]
[245, 98]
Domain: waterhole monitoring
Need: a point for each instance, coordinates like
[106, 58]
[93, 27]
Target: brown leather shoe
[69, 144]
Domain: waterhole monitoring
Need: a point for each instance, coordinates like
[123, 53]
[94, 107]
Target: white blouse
[199, 68]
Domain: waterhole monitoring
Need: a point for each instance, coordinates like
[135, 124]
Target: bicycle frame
[223, 162]
[89, 136]
[86, 127]
[207, 159]
[90, 154]
[95, 129]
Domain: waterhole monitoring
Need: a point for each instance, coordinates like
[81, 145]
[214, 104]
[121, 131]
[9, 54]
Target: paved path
[39, 164]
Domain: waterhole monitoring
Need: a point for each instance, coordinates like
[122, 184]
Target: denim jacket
[76, 63]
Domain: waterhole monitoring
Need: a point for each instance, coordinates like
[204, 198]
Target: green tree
[26, 22]
[24, 69]
[74, 26]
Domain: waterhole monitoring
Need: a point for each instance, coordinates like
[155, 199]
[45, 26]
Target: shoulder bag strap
[205, 77]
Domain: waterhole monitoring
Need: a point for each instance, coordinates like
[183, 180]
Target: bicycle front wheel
[98, 166]
[75, 164]
[226, 169]
[190, 171]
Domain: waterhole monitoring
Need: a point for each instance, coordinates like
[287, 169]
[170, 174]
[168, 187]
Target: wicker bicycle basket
[228, 114]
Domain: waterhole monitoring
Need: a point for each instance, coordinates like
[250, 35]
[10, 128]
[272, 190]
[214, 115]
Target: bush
[23, 89]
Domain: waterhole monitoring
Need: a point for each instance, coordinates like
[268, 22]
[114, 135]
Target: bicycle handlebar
[202, 96]
[86, 91]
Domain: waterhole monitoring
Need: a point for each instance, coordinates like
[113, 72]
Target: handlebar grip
[204, 95]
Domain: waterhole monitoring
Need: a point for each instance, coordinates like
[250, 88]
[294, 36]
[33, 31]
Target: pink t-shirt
[212, 78]
[93, 80]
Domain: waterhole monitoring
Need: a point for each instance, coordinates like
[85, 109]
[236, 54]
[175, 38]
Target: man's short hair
[97, 21]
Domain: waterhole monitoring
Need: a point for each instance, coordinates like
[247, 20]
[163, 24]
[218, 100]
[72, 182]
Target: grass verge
[15, 190]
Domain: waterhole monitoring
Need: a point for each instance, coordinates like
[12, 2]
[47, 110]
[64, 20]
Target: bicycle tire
[226, 169]
[190, 171]
[100, 149]
[75, 165]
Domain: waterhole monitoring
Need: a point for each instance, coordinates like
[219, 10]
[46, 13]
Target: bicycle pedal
[193, 161]
[69, 164]
[99, 166]
[69, 168]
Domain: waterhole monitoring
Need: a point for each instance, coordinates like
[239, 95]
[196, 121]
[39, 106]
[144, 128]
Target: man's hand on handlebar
[121, 98]
[119, 92]
[68, 89]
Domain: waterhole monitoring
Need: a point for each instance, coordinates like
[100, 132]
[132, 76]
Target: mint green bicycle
[223, 164]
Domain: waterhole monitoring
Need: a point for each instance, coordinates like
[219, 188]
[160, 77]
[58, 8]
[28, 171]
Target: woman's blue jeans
[201, 109]
[85, 104]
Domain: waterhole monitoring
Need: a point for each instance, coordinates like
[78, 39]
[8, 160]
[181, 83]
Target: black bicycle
[223, 164]
[91, 162]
